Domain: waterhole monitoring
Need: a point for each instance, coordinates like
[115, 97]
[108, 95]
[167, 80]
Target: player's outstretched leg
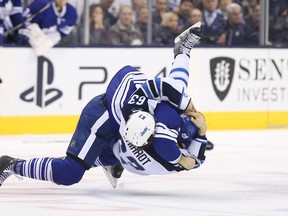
[6, 167]
[187, 39]
[113, 173]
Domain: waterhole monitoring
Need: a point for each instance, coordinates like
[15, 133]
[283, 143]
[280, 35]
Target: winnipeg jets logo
[222, 72]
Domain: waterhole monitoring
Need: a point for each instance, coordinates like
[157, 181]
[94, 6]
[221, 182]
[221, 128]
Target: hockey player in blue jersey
[98, 126]
[51, 25]
[1, 24]
[11, 15]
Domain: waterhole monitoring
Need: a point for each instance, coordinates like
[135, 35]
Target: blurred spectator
[124, 31]
[173, 5]
[279, 35]
[253, 20]
[1, 25]
[169, 29]
[136, 6]
[185, 8]
[247, 6]
[161, 7]
[110, 19]
[141, 22]
[214, 22]
[222, 6]
[98, 30]
[198, 4]
[237, 32]
[277, 17]
[195, 16]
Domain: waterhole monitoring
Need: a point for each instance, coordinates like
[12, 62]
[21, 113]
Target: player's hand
[199, 120]
[187, 162]
[23, 36]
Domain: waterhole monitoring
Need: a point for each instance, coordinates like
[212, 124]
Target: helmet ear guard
[139, 128]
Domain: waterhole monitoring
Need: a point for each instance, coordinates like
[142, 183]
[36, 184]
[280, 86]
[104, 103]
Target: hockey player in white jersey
[98, 127]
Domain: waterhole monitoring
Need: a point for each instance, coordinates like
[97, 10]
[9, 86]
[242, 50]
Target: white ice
[245, 175]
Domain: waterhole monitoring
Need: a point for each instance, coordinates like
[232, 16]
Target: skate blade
[177, 39]
[112, 180]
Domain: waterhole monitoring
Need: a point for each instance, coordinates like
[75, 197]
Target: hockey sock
[180, 68]
[63, 171]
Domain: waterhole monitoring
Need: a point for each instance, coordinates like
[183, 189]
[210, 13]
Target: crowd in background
[225, 22]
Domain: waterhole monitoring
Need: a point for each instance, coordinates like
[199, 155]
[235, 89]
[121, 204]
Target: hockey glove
[39, 41]
[23, 36]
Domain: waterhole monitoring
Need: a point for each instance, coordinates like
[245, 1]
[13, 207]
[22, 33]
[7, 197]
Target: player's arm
[195, 149]
[35, 6]
[166, 89]
[166, 134]
[16, 14]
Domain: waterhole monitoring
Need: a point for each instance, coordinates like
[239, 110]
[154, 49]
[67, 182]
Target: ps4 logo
[39, 94]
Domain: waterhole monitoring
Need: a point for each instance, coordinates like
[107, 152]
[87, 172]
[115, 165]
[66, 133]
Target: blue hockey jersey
[55, 24]
[11, 13]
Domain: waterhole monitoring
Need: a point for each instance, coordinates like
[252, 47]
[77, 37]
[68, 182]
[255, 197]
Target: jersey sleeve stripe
[178, 70]
[153, 88]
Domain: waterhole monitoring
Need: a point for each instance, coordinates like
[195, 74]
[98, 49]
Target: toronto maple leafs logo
[222, 72]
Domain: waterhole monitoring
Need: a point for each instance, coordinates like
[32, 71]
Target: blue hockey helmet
[188, 130]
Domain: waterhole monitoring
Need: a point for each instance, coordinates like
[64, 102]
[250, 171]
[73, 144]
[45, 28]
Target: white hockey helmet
[139, 127]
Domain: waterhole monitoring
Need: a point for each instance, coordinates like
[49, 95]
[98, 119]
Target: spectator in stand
[253, 20]
[247, 6]
[173, 5]
[185, 8]
[238, 33]
[279, 36]
[136, 6]
[141, 22]
[98, 31]
[161, 7]
[110, 19]
[1, 25]
[198, 4]
[222, 6]
[277, 21]
[214, 23]
[124, 31]
[195, 16]
[169, 29]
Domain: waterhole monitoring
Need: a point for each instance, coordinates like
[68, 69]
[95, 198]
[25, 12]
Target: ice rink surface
[245, 175]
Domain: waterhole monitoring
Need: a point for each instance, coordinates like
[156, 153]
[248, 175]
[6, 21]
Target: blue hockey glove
[23, 36]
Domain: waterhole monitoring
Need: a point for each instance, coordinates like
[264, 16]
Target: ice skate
[187, 39]
[209, 145]
[6, 167]
[113, 173]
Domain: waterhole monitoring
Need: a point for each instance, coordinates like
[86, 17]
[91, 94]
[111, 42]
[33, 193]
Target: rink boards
[234, 88]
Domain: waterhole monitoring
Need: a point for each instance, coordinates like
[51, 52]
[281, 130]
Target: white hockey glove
[39, 41]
